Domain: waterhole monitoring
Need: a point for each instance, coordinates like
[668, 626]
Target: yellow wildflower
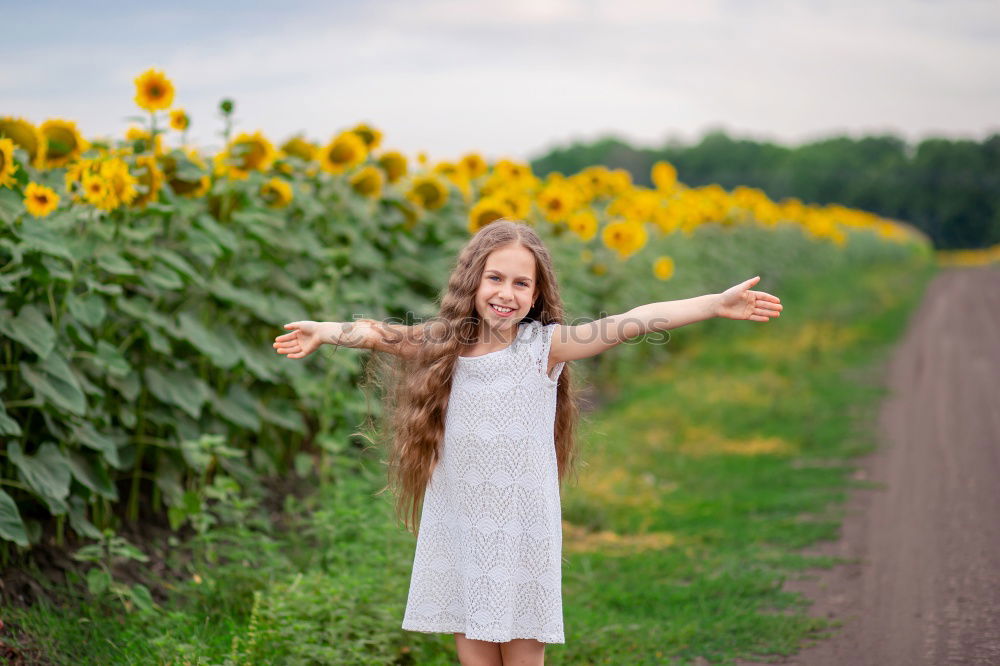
[40, 200]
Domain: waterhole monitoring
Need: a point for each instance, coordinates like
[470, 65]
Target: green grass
[331, 587]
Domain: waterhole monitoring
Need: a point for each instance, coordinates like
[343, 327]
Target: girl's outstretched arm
[570, 343]
[307, 336]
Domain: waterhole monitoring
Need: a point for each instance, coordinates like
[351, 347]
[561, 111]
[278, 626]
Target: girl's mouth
[501, 313]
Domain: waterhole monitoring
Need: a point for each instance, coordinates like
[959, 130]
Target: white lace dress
[488, 561]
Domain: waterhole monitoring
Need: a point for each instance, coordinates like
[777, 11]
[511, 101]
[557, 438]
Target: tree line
[949, 188]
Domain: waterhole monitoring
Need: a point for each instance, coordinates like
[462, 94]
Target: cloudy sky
[513, 78]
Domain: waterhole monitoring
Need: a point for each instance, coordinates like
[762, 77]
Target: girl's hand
[738, 302]
[305, 337]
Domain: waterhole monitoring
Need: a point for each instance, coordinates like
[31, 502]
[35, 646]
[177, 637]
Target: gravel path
[925, 588]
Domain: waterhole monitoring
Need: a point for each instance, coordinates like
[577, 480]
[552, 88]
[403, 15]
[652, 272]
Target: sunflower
[95, 190]
[7, 164]
[394, 165]
[300, 148]
[63, 142]
[583, 223]
[25, 136]
[456, 174]
[486, 211]
[153, 91]
[40, 200]
[664, 176]
[511, 170]
[624, 237]
[246, 153]
[276, 193]
[150, 178]
[371, 136]
[179, 120]
[120, 181]
[474, 165]
[518, 202]
[346, 150]
[368, 182]
[556, 202]
[428, 192]
[663, 268]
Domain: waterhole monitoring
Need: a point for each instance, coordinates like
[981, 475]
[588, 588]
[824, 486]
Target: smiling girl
[481, 424]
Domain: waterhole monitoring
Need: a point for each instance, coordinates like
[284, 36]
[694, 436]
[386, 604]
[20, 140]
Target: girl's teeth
[501, 309]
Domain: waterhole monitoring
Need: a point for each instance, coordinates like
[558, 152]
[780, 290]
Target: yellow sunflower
[624, 237]
[25, 136]
[276, 193]
[95, 190]
[63, 142]
[394, 164]
[153, 91]
[486, 211]
[246, 153]
[149, 178]
[300, 148]
[368, 182]
[583, 223]
[428, 192]
[40, 200]
[7, 164]
[179, 120]
[474, 165]
[371, 136]
[556, 202]
[346, 150]
[511, 170]
[663, 268]
[664, 176]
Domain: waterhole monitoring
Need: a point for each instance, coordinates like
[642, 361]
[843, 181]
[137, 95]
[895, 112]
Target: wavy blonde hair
[417, 386]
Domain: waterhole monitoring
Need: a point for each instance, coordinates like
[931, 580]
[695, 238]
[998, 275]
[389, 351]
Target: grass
[705, 476]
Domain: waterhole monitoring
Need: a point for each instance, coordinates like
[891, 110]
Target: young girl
[482, 429]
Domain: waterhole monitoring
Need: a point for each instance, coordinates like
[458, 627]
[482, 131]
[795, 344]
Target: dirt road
[926, 586]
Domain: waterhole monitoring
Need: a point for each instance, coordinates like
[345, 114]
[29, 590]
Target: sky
[517, 77]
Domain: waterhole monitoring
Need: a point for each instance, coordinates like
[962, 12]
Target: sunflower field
[142, 282]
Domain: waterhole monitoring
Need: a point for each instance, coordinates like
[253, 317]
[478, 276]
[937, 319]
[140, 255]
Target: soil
[923, 587]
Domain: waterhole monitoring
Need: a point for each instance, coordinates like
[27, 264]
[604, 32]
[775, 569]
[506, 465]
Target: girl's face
[508, 281]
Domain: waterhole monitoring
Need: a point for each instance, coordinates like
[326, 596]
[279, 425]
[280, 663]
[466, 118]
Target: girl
[481, 418]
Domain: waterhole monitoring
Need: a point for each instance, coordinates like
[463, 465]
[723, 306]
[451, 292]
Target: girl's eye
[521, 282]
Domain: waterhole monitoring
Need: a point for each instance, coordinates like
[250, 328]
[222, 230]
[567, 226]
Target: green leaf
[78, 518]
[142, 599]
[11, 525]
[128, 386]
[58, 392]
[207, 341]
[93, 476]
[57, 270]
[177, 262]
[8, 426]
[104, 288]
[114, 263]
[221, 235]
[181, 388]
[47, 473]
[283, 413]
[10, 281]
[239, 407]
[30, 328]
[109, 358]
[87, 308]
[161, 277]
[98, 580]
[85, 433]
[39, 237]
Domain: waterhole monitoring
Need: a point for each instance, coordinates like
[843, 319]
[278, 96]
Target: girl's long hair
[417, 386]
